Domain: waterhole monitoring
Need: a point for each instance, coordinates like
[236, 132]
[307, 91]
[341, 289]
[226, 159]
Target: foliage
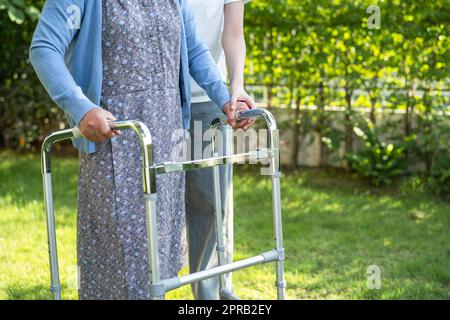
[311, 53]
[377, 160]
[440, 177]
[26, 112]
[19, 10]
[323, 54]
[440, 149]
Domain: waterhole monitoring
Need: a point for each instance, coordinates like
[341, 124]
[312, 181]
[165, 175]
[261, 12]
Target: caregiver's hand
[95, 125]
[239, 99]
[230, 111]
[238, 94]
[243, 124]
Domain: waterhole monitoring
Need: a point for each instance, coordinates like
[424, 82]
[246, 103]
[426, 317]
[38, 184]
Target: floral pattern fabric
[141, 66]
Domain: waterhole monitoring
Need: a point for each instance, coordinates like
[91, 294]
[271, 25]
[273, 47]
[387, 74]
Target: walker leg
[220, 247]
[277, 221]
[229, 218]
[51, 230]
[156, 290]
[152, 237]
[278, 232]
[228, 293]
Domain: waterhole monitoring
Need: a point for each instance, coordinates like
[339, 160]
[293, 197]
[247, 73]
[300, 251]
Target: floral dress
[141, 65]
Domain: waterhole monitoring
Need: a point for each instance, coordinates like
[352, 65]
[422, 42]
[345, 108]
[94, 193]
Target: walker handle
[77, 133]
[249, 114]
[240, 116]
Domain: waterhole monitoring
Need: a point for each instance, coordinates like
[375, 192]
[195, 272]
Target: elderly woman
[125, 59]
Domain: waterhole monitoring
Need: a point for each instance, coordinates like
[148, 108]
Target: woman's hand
[95, 125]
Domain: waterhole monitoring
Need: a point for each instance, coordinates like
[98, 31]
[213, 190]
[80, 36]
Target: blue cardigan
[68, 61]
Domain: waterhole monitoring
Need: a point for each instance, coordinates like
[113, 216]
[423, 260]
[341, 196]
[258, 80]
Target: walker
[158, 287]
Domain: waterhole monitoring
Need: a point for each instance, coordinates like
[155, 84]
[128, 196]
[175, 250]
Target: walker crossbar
[176, 282]
[168, 167]
[158, 287]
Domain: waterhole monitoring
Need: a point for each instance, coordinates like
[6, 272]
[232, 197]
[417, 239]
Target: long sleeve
[53, 36]
[201, 64]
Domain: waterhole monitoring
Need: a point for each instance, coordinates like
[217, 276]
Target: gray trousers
[200, 206]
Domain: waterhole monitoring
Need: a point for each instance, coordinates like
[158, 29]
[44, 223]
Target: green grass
[335, 227]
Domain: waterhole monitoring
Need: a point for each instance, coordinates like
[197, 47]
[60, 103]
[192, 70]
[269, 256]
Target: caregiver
[130, 60]
[220, 23]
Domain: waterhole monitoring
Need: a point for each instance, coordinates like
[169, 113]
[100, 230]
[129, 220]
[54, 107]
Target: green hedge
[309, 52]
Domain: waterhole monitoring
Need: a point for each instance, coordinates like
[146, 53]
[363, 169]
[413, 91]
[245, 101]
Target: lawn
[335, 228]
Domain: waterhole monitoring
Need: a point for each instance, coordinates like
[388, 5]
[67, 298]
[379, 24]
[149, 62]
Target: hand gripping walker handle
[249, 114]
[77, 133]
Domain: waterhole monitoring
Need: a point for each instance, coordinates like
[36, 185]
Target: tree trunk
[348, 120]
[321, 125]
[373, 102]
[373, 115]
[271, 84]
[427, 130]
[296, 134]
[2, 140]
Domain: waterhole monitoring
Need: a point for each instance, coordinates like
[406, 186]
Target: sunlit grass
[334, 225]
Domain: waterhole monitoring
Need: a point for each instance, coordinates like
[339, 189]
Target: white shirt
[209, 17]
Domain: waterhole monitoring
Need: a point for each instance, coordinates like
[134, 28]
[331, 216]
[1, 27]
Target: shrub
[440, 173]
[26, 111]
[440, 178]
[378, 161]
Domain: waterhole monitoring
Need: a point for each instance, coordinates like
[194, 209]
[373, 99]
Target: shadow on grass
[19, 291]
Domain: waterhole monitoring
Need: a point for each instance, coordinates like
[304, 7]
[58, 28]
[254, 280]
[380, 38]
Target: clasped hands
[95, 125]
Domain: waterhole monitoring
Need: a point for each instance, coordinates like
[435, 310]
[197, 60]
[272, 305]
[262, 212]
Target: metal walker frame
[158, 287]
